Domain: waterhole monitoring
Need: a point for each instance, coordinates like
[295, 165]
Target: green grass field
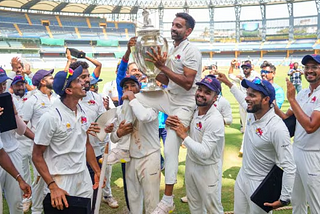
[231, 162]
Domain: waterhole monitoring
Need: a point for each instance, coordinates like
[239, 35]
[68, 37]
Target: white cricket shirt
[184, 55]
[206, 139]
[64, 133]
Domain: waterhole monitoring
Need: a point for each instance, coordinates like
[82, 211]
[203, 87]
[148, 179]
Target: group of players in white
[59, 135]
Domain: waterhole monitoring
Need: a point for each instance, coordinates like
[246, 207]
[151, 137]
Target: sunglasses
[69, 74]
[258, 81]
[265, 72]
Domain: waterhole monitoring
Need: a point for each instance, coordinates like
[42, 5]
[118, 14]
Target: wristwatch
[285, 203]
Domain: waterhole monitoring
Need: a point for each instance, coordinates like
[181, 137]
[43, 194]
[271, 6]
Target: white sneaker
[26, 204]
[112, 203]
[184, 199]
[118, 156]
[163, 208]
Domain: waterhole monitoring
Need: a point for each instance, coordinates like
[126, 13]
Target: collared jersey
[19, 101]
[34, 107]
[206, 139]
[63, 131]
[145, 135]
[92, 104]
[266, 142]
[184, 55]
[308, 103]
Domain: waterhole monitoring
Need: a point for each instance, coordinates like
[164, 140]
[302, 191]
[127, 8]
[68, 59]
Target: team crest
[259, 132]
[83, 120]
[177, 57]
[314, 98]
[199, 126]
[91, 102]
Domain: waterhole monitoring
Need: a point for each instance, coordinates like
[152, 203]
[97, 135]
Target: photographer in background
[213, 69]
[295, 76]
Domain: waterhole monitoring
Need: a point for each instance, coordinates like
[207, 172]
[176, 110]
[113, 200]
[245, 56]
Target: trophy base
[149, 89]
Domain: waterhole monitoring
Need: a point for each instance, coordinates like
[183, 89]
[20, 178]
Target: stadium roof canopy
[123, 6]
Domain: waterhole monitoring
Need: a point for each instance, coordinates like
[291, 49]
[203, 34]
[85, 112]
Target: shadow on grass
[231, 173]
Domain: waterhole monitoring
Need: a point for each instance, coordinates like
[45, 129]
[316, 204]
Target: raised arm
[309, 123]
[97, 69]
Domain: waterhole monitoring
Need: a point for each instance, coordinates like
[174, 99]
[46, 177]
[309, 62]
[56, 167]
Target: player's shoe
[184, 199]
[118, 156]
[163, 208]
[112, 203]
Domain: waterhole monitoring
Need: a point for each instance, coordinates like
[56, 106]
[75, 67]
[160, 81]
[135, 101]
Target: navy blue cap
[39, 75]
[211, 82]
[3, 75]
[260, 85]
[17, 79]
[314, 57]
[128, 77]
[94, 81]
[62, 79]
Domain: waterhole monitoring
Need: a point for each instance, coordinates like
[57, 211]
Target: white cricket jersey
[237, 80]
[184, 55]
[308, 103]
[206, 139]
[19, 102]
[266, 142]
[1, 144]
[223, 106]
[34, 107]
[63, 131]
[10, 74]
[110, 89]
[10, 142]
[145, 135]
[92, 104]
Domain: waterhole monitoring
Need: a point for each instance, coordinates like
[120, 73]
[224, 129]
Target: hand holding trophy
[150, 52]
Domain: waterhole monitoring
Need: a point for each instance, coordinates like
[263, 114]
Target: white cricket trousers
[182, 106]
[306, 186]
[203, 185]
[243, 189]
[143, 183]
[10, 186]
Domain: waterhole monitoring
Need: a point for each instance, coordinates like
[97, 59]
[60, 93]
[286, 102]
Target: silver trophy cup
[148, 37]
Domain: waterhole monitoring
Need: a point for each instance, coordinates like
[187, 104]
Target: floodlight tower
[211, 14]
[237, 10]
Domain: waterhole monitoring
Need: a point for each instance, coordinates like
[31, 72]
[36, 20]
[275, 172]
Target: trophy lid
[147, 27]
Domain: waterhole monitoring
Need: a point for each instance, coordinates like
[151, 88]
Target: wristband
[18, 175]
[53, 181]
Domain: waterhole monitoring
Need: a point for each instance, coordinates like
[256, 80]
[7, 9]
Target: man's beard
[255, 108]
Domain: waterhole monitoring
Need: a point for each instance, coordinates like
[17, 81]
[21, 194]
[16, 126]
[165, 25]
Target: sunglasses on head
[258, 81]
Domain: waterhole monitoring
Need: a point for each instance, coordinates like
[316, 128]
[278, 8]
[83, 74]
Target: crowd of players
[56, 132]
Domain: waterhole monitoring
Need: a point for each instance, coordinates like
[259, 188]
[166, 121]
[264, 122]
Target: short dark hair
[76, 64]
[190, 22]
[273, 68]
[266, 64]
[248, 61]
[131, 63]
